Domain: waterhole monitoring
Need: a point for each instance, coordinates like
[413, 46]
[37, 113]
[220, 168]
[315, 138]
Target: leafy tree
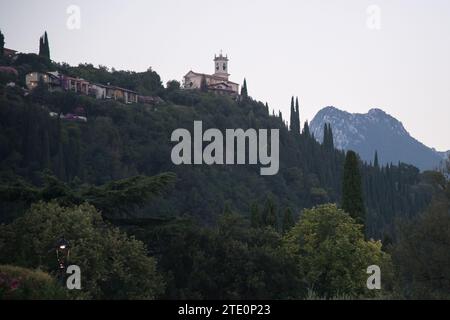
[352, 195]
[331, 253]
[421, 253]
[113, 265]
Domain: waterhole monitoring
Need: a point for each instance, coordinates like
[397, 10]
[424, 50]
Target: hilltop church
[217, 82]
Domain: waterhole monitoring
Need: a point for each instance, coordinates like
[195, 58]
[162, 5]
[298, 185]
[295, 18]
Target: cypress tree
[244, 91]
[2, 44]
[47, 46]
[292, 117]
[325, 136]
[297, 115]
[295, 121]
[352, 196]
[41, 46]
[267, 108]
[375, 161]
[330, 137]
[306, 132]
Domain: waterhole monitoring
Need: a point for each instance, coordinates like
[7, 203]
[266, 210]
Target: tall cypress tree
[330, 137]
[244, 91]
[306, 132]
[352, 195]
[47, 46]
[375, 160]
[292, 117]
[41, 46]
[325, 136]
[295, 121]
[2, 44]
[297, 114]
[44, 47]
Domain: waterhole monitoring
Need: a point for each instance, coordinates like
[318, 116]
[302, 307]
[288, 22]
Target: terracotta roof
[211, 76]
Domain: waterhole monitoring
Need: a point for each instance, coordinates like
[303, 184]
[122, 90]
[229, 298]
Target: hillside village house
[217, 82]
[51, 79]
[9, 52]
[56, 81]
[76, 85]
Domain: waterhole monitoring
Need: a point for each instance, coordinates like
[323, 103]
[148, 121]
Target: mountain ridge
[374, 131]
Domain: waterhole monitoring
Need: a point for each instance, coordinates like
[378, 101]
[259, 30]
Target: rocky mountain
[375, 131]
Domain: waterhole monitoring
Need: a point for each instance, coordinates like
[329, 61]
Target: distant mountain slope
[375, 130]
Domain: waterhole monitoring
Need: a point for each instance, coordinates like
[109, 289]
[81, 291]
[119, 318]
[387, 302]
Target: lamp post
[62, 255]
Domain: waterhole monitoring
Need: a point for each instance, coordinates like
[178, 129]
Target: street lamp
[62, 253]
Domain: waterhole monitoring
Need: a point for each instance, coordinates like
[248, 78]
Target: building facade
[217, 82]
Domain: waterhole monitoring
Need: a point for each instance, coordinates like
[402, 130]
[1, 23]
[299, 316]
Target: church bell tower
[221, 66]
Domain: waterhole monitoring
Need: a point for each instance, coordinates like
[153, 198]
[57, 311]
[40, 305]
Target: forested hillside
[120, 141]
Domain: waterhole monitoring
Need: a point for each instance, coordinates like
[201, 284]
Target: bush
[24, 284]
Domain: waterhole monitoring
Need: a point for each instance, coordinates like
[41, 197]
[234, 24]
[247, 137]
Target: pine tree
[267, 108]
[2, 44]
[244, 91]
[288, 220]
[352, 195]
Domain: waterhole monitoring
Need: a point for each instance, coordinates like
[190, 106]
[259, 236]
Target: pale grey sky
[320, 50]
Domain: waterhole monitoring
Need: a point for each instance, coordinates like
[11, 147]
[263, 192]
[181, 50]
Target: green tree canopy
[331, 252]
[113, 265]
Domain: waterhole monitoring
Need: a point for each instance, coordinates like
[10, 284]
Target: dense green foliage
[113, 265]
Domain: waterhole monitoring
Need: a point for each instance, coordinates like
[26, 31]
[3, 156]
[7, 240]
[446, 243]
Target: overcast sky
[324, 51]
